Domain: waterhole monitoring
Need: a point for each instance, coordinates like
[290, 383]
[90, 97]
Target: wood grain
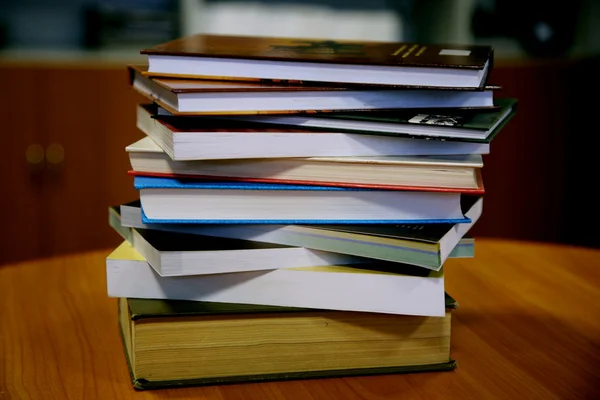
[527, 327]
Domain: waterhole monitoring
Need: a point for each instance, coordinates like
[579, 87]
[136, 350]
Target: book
[185, 201]
[451, 124]
[129, 215]
[424, 245]
[379, 287]
[200, 138]
[171, 343]
[210, 97]
[323, 60]
[453, 173]
[173, 253]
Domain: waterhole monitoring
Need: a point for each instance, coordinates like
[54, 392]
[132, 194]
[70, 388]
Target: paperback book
[173, 253]
[377, 287]
[200, 138]
[457, 124]
[193, 201]
[212, 97]
[460, 173]
[428, 65]
[426, 245]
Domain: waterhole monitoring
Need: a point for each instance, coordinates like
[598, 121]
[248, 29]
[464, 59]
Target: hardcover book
[315, 60]
[380, 287]
[194, 201]
[205, 97]
[460, 173]
[199, 343]
[200, 138]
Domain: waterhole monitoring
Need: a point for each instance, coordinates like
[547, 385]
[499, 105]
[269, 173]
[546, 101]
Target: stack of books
[297, 202]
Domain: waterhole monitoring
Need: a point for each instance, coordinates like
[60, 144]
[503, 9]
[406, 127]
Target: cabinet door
[21, 187]
[88, 120]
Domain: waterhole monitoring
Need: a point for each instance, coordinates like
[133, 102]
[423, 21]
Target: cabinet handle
[55, 154]
[39, 159]
[34, 154]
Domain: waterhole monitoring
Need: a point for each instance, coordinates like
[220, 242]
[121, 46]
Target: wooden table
[527, 327]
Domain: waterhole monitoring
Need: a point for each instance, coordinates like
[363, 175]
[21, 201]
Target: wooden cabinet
[22, 191]
[537, 176]
[74, 123]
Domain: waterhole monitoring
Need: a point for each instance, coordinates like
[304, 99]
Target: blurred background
[67, 111]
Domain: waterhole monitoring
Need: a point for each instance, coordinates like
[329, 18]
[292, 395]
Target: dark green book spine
[142, 384]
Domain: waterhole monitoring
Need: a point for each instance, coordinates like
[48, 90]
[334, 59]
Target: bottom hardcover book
[185, 343]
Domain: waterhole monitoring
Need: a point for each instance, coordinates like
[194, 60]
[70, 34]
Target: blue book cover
[142, 182]
[148, 182]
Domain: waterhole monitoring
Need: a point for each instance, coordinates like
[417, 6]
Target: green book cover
[475, 120]
[478, 125]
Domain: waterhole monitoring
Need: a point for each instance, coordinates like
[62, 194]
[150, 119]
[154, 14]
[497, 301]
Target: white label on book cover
[455, 52]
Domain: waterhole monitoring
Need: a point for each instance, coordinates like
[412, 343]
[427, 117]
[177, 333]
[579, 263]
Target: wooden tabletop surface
[527, 327]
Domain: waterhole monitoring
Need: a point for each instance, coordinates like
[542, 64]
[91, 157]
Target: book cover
[449, 119]
[146, 182]
[336, 61]
[327, 51]
[479, 125]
